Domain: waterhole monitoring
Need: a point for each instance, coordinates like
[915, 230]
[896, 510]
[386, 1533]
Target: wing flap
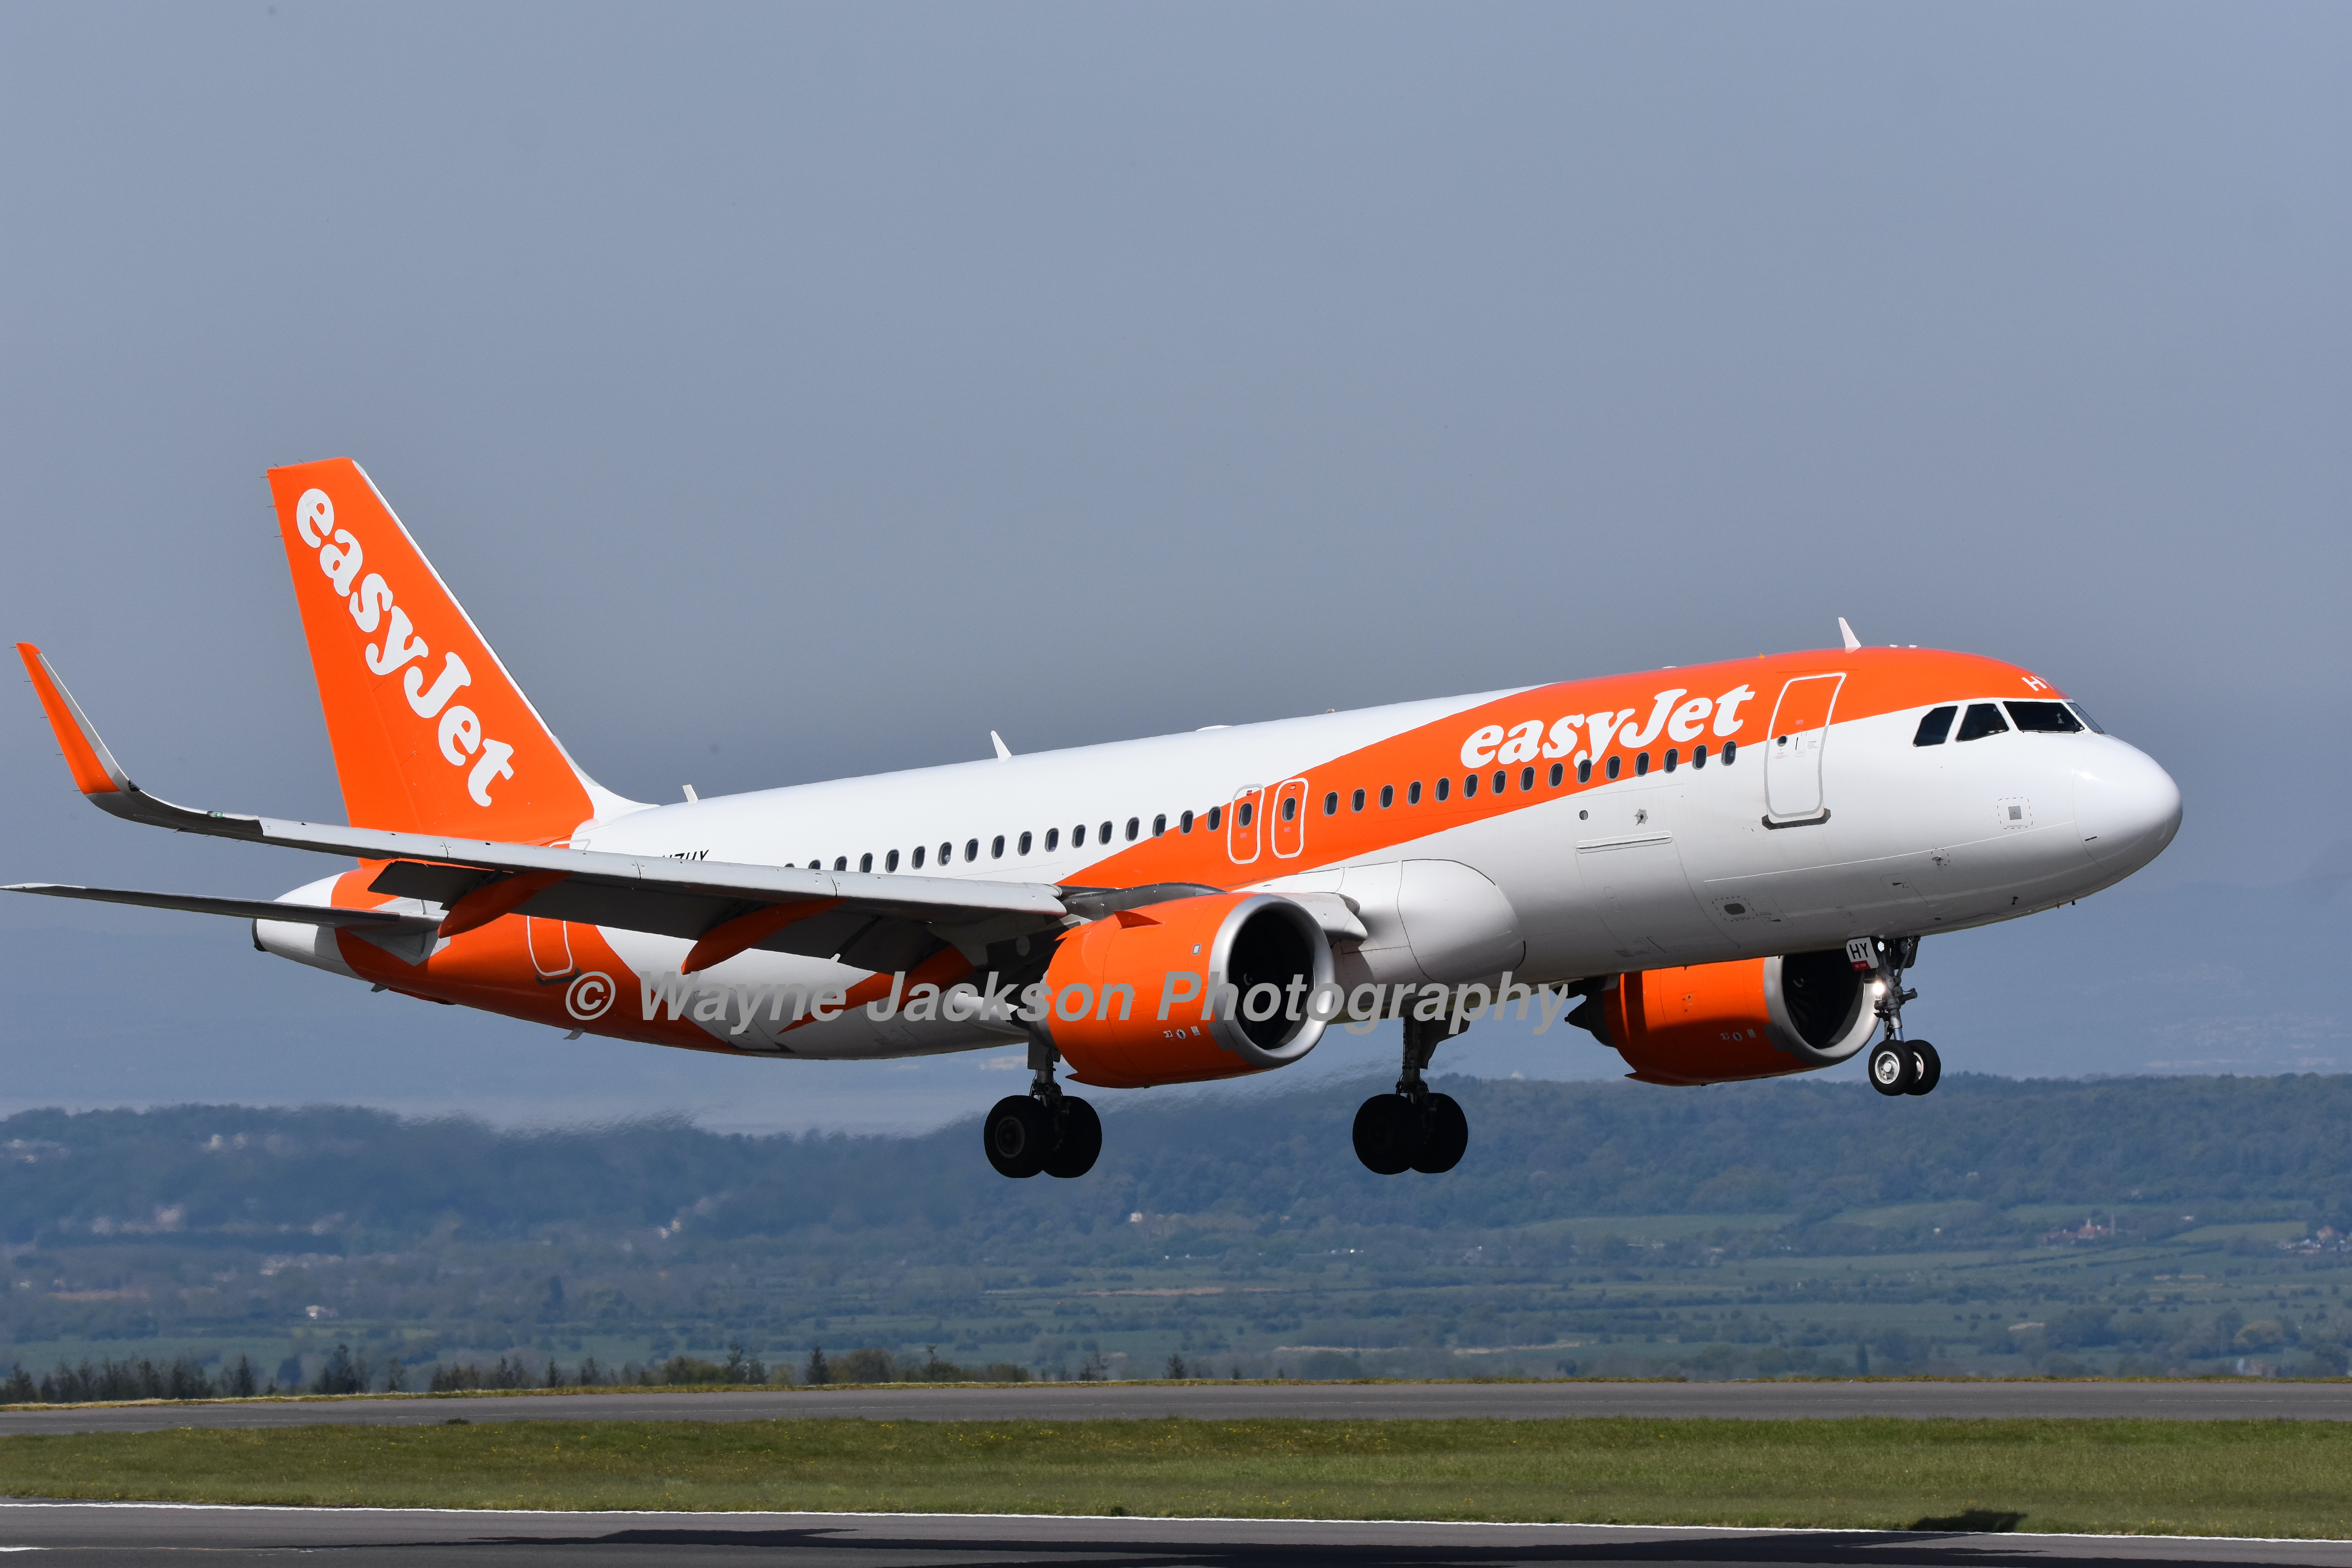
[237, 909]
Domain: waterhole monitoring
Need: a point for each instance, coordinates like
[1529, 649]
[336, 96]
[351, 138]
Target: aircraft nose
[2128, 808]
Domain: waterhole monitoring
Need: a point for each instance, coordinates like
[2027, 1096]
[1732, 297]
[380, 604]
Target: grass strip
[2187, 1478]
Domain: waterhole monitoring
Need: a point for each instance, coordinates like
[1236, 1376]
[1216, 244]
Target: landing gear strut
[1896, 1066]
[1043, 1130]
[1414, 1128]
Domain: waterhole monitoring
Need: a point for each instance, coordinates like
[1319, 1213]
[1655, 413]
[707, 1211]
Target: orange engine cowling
[1715, 1023]
[1206, 987]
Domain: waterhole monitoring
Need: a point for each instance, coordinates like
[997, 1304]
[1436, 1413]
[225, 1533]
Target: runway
[2248, 1399]
[142, 1533]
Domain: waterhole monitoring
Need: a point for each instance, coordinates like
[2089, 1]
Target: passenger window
[866, 862]
[2044, 718]
[2084, 715]
[1413, 794]
[1388, 796]
[919, 857]
[1730, 751]
[1134, 827]
[1614, 764]
[1584, 771]
[1216, 815]
[1184, 823]
[997, 847]
[1983, 719]
[841, 862]
[1445, 788]
[1356, 801]
[1502, 781]
[1079, 836]
[1674, 758]
[1698, 756]
[1242, 814]
[1331, 803]
[890, 861]
[946, 853]
[1469, 787]
[816, 864]
[1290, 808]
[1158, 824]
[1527, 780]
[1936, 725]
[1024, 845]
[971, 849]
[1642, 764]
[1104, 837]
[1558, 771]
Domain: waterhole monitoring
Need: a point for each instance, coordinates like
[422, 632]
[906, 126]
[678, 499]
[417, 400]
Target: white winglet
[1846, 632]
[1003, 751]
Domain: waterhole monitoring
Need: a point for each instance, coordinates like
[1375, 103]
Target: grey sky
[793, 393]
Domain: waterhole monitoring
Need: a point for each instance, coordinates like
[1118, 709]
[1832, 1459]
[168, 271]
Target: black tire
[1890, 1067]
[1081, 1142]
[1927, 1067]
[1018, 1135]
[1388, 1135]
[1444, 1136]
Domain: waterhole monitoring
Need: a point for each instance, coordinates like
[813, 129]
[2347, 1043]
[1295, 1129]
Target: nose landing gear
[1414, 1128]
[1042, 1131]
[1896, 1066]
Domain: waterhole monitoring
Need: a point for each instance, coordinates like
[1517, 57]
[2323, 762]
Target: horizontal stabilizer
[237, 909]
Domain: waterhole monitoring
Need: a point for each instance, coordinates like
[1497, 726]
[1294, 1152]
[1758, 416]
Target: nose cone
[2128, 808]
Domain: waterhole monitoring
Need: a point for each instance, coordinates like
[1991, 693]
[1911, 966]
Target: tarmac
[130, 1533]
[2231, 1400]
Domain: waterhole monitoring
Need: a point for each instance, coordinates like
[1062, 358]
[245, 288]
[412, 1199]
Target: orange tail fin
[431, 735]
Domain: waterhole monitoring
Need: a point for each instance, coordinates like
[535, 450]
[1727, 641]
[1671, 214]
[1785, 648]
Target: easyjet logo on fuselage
[401, 651]
[1583, 737]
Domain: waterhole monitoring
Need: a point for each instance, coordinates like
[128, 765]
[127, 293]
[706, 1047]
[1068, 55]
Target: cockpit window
[2084, 714]
[1983, 719]
[2045, 718]
[1934, 726]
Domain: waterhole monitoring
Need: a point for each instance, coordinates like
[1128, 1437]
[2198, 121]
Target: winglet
[94, 771]
[1852, 641]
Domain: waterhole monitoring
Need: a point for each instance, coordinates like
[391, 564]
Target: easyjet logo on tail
[373, 607]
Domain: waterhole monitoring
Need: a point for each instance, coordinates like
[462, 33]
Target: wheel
[1927, 1067]
[1018, 1135]
[1444, 1135]
[1081, 1140]
[1388, 1133]
[1891, 1071]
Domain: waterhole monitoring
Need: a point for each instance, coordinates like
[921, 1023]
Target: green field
[2274, 1479]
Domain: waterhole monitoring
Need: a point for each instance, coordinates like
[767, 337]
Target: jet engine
[1192, 989]
[1716, 1023]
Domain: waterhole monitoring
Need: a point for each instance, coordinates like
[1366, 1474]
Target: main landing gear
[1414, 1128]
[1043, 1130]
[1896, 1066]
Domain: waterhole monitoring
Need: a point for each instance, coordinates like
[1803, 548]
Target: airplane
[1726, 867]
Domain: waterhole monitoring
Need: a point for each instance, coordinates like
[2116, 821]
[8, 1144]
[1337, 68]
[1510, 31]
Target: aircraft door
[549, 942]
[1242, 827]
[1793, 751]
[1290, 808]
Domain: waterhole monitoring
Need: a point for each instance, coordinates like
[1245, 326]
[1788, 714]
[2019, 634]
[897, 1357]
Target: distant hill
[1539, 1151]
[1998, 1224]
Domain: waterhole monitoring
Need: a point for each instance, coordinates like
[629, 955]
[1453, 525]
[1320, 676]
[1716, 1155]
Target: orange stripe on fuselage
[1878, 681]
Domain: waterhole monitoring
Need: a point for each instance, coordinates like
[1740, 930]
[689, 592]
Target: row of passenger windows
[1499, 782]
[1244, 811]
[996, 846]
[1985, 718]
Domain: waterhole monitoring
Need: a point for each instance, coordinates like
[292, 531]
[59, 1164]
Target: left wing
[874, 920]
